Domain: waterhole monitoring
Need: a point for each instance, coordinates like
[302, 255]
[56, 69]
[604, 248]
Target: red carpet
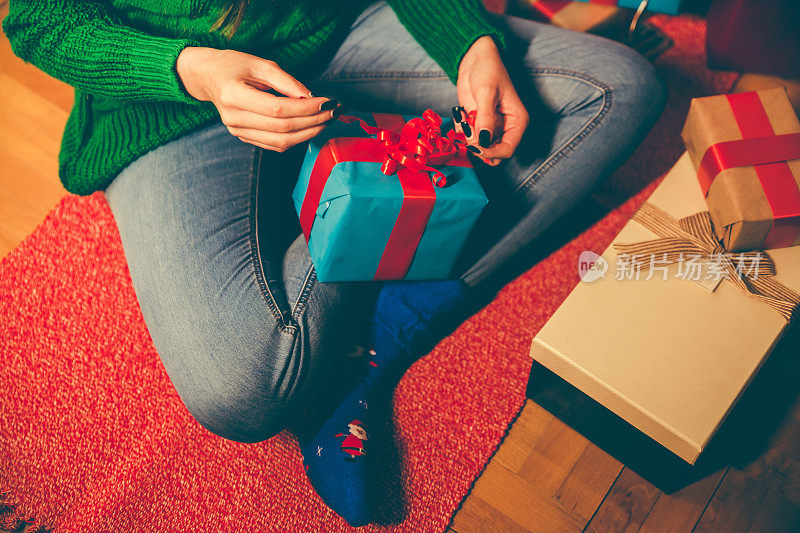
[94, 438]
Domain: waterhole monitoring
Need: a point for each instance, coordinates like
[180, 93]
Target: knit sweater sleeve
[446, 28]
[78, 42]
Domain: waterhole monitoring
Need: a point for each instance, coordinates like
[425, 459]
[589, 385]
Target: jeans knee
[236, 418]
[636, 84]
[244, 399]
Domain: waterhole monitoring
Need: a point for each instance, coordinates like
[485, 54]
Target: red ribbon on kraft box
[769, 153]
[406, 148]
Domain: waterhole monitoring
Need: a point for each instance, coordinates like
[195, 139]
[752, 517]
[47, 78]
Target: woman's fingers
[241, 86]
[278, 142]
[260, 145]
[461, 120]
[269, 73]
[485, 118]
[505, 147]
[248, 98]
[238, 118]
[515, 122]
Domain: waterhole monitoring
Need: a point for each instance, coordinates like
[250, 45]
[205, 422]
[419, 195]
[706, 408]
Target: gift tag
[704, 273]
[709, 285]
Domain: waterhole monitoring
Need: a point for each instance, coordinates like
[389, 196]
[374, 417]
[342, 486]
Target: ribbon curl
[419, 145]
[695, 235]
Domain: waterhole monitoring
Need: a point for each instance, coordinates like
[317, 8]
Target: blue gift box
[671, 7]
[359, 206]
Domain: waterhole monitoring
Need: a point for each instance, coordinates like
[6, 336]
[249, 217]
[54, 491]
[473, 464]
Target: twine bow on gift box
[694, 235]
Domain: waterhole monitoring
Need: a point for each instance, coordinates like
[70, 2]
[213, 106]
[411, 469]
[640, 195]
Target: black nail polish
[338, 111]
[474, 149]
[457, 114]
[327, 105]
[484, 138]
[467, 130]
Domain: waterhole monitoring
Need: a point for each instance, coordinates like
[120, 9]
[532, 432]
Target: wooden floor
[546, 476]
[33, 112]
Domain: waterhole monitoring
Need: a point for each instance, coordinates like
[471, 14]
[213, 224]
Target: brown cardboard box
[601, 19]
[751, 81]
[586, 16]
[667, 356]
[578, 16]
[740, 208]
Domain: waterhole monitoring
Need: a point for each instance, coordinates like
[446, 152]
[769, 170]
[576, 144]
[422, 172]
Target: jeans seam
[308, 284]
[570, 144]
[255, 253]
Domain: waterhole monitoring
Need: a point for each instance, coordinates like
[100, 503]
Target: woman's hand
[237, 84]
[484, 86]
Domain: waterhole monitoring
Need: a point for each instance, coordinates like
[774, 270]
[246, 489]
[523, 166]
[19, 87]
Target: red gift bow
[418, 145]
[769, 152]
[407, 148]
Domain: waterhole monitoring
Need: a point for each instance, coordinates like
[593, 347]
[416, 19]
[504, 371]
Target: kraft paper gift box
[568, 15]
[369, 207]
[671, 7]
[666, 355]
[746, 147]
[564, 13]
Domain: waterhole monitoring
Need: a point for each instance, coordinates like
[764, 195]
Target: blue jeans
[222, 275]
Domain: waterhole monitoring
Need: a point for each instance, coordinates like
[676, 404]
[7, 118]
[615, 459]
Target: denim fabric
[222, 275]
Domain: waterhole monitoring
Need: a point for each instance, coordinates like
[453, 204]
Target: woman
[186, 112]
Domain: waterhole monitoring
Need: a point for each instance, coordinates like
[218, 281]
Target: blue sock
[339, 458]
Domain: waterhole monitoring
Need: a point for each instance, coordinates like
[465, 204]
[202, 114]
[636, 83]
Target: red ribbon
[549, 8]
[406, 148]
[745, 152]
[768, 152]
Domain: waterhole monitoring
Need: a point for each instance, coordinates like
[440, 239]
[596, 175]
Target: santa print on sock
[353, 443]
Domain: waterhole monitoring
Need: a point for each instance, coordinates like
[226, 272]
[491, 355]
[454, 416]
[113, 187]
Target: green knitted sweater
[120, 56]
